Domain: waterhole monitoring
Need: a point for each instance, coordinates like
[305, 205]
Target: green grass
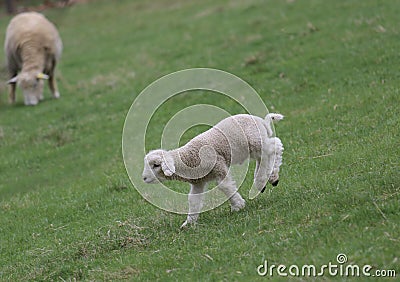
[68, 210]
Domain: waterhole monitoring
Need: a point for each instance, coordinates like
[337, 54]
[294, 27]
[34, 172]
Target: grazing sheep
[32, 46]
[208, 156]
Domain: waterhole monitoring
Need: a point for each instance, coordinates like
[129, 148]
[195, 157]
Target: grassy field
[67, 208]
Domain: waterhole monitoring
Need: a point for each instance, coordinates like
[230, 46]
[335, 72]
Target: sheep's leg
[264, 166]
[228, 186]
[195, 198]
[277, 161]
[53, 87]
[261, 175]
[53, 84]
[12, 93]
[256, 168]
[267, 168]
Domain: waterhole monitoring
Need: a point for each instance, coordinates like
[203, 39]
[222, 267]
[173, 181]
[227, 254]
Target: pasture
[68, 210]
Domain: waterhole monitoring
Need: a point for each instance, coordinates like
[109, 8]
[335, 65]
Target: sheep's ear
[168, 165]
[41, 75]
[13, 80]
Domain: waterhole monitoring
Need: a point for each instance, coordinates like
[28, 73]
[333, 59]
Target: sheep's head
[31, 85]
[158, 165]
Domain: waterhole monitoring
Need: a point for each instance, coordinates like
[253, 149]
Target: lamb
[208, 156]
[32, 46]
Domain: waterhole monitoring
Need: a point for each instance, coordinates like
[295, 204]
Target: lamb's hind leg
[228, 186]
[195, 199]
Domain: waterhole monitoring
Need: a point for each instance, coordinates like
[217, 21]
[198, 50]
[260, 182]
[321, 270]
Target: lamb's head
[31, 84]
[158, 165]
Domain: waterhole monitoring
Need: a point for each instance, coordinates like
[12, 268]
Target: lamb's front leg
[53, 86]
[277, 158]
[267, 166]
[263, 169]
[12, 93]
[195, 198]
[260, 179]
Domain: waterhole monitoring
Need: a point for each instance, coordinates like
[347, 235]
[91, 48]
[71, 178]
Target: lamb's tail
[270, 118]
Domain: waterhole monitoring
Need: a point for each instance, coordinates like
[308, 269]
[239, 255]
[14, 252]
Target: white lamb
[208, 156]
[32, 46]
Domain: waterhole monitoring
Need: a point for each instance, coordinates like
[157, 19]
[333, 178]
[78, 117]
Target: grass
[68, 210]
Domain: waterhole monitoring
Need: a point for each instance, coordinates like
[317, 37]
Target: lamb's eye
[156, 165]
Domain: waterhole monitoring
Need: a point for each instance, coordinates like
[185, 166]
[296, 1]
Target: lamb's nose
[144, 178]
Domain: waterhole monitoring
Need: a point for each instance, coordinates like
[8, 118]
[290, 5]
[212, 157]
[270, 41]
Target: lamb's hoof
[184, 225]
[275, 183]
[263, 189]
[187, 224]
[238, 206]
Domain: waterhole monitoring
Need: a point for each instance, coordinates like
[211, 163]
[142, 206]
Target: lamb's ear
[13, 80]
[168, 164]
[41, 75]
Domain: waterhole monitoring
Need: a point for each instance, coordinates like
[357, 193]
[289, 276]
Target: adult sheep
[33, 48]
[208, 157]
